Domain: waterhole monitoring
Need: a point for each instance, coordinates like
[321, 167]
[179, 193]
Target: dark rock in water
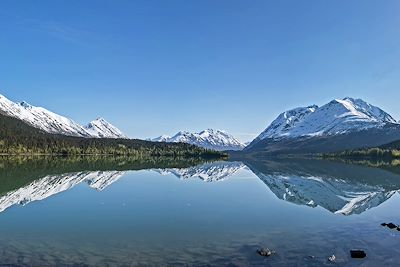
[332, 258]
[398, 228]
[390, 225]
[311, 257]
[265, 252]
[358, 254]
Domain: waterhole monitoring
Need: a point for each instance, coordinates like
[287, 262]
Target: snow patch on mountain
[337, 117]
[210, 139]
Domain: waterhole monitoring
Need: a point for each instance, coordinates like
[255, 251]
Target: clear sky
[157, 67]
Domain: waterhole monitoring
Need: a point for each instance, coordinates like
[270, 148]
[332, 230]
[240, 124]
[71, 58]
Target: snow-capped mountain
[338, 117]
[208, 172]
[161, 138]
[103, 129]
[50, 122]
[210, 139]
[53, 184]
[41, 118]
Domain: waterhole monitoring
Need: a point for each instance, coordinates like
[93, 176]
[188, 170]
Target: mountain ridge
[53, 123]
[209, 138]
[103, 129]
[336, 121]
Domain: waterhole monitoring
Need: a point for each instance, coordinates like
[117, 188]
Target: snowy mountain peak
[337, 117]
[41, 118]
[101, 120]
[210, 139]
[50, 122]
[161, 138]
[362, 109]
[286, 121]
[103, 129]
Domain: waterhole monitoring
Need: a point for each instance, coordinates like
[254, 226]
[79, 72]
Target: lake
[68, 213]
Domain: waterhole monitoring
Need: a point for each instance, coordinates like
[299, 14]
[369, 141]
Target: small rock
[384, 224]
[265, 252]
[332, 258]
[358, 254]
[391, 225]
[311, 257]
[398, 228]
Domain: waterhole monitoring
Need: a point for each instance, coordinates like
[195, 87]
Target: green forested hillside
[17, 137]
[385, 152]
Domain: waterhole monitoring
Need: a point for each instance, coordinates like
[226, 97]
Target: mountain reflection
[208, 172]
[337, 187]
[53, 184]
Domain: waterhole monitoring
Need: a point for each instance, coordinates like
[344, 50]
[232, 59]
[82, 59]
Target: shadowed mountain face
[337, 187]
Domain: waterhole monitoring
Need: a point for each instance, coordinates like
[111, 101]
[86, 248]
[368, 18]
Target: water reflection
[208, 172]
[143, 218]
[47, 186]
[337, 187]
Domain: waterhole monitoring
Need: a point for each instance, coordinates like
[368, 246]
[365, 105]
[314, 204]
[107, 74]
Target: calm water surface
[214, 214]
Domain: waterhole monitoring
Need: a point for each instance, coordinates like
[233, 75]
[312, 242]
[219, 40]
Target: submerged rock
[390, 225]
[358, 254]
[332, 258]
[265, 252]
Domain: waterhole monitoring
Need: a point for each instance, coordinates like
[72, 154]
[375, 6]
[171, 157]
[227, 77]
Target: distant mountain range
[211, 139]
[338, 125]
[50, 122]
[53, 123]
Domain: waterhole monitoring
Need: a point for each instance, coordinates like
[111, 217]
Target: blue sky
[157, 67]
